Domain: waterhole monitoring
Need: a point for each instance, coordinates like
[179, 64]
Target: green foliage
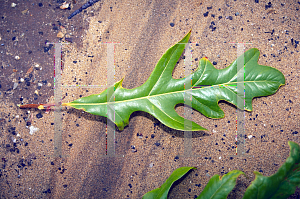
[220, 187]
[280, 185]
[160, 94]
[163, 190]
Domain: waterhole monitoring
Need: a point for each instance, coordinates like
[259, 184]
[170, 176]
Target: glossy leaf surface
[160, 94]
[280, 185]
[219, 187]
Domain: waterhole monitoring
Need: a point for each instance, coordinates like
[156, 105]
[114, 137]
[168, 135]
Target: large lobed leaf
[160, 94]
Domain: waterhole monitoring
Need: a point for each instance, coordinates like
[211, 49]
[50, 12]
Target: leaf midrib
[176, 47]
[147, 97]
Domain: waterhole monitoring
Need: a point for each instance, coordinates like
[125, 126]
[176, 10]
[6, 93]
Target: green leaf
[160, 94]
[280, 185]
[163, 190]
[219, 187]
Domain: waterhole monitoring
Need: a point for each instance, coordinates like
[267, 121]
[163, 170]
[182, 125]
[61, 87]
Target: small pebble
[39, 115]
[13, 5]
[21, 80]
[237, 14]
[15, 85]
[33, 130]
[17, 57]
[60, 35]
[64, 6]
[69, 39]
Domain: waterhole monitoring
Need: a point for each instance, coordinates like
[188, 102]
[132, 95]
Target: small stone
[15, 85]
[40, 84]
[21, 80]
[33, 130]
[60, 35]
[64, 6]
[39, 115]
[237, 14]
[17, 57]
[172, 24]
[13, 5]
[24, 12]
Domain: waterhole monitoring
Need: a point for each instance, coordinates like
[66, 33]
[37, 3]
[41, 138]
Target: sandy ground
[144, 30]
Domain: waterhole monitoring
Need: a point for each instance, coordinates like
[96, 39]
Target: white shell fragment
[33, 130]
[64, 6]
[15, 85]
